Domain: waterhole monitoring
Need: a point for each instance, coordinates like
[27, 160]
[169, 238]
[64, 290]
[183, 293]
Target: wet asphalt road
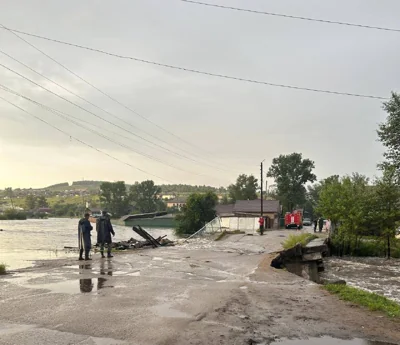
[200, 292]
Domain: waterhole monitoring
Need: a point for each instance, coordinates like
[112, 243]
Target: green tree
[42, 201]
[328, 201]
[291, 173]
[114, 198]
[146, 196]
[385, 206]
[389, 132]
[225, 200]
[199, 210]
[30, 202]
[10, 195]
[245, 188]
[312, 197]
[346, 202]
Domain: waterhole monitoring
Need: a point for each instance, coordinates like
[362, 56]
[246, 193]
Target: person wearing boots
[104, 231]
[85, 243]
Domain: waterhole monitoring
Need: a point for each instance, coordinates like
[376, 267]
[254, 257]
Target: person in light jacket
[328, 225]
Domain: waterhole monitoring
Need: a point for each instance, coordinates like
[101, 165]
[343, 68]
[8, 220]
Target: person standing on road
[315, 224]
[261, 222]
[104, 230]
[84, 241]
[320, 223]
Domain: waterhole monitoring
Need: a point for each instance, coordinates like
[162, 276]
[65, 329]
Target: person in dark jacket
[320, 224]
[315, 224]
[104, 230]
[84, 241]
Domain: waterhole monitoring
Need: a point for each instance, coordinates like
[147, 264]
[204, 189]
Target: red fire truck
[294, 219]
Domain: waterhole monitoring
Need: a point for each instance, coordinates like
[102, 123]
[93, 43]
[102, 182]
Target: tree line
[366, 213]
[143, 197]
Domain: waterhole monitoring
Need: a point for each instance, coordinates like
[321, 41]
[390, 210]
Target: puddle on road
[165, 310]
[85, 285]
[328, 341]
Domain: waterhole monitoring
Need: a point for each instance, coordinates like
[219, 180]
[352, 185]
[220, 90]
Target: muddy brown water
[24, 241]
[376, 275]
[328, 341]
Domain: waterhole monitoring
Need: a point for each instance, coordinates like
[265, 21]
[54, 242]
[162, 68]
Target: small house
[176, 203]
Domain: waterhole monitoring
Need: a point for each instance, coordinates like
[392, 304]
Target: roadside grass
[294, 239]
[366, 299]
[3, 269]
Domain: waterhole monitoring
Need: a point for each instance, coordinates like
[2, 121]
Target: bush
[12, 214]
[2, 269]
[294, 239]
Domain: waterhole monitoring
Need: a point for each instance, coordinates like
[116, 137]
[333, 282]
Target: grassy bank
[294, 239]
[366, 299]
[2, 269]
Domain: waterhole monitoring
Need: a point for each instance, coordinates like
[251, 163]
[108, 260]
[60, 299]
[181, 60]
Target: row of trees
[143, 197]
[290, 172]
[365, 214]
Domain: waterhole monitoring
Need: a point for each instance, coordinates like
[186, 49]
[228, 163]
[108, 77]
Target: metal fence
[210, 228]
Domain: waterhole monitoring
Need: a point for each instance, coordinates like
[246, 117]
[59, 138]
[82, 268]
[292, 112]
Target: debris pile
[135, 244]
[149, 241]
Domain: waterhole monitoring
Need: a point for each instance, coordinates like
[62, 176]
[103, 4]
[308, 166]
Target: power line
[290, 16]
[92, 104]
[198, 71]
[102, 92]
[67, 117]
[109, 122]
[81, 141]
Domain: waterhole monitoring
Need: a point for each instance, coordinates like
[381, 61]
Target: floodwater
[24, 241]
[328, 341]
[376, 275]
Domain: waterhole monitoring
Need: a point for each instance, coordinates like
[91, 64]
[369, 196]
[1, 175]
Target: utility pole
[262, 211]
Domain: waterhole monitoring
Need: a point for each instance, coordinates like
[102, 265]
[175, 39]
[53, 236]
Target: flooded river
[371, 274]
[23, 241]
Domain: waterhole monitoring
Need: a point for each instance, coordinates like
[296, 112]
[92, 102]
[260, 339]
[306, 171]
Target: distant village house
[176, 203]
[245, 213]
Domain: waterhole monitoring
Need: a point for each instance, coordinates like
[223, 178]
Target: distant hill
[92, 187]
[185, 189]
[88, 185]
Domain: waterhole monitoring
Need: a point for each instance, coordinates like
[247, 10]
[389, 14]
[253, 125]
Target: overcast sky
[225, 127]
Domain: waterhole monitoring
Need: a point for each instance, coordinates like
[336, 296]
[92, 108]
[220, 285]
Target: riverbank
[200, 292]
